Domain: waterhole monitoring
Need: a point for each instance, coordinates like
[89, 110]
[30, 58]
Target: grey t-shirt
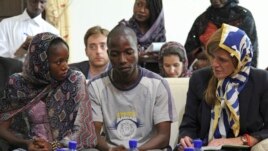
[131, 113]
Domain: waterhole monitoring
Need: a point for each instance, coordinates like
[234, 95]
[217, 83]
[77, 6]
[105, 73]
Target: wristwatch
[244, 140]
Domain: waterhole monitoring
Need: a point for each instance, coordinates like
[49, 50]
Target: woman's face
[222, 64]
[141, 11]
[58, 61]
[172, 66]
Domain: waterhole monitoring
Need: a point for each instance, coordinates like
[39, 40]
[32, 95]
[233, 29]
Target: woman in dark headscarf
[173, 60]
[47, 104]
[220, 11]
[147, 22]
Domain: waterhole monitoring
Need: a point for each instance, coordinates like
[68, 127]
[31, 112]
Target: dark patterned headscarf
[174, 48]
[64, 100]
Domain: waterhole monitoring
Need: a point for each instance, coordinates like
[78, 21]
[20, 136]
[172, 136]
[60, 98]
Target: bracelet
[55, 145]
[248, 139]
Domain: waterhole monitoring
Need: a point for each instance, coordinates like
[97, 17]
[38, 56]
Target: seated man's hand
[22, 50]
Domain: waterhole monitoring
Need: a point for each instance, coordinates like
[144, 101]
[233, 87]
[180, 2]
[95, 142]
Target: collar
[25, 17]
[108, 66]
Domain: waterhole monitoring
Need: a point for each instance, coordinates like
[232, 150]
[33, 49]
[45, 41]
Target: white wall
[179, 16]
[87, 13]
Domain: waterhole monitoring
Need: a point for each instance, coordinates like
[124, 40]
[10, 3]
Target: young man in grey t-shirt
[130, 102]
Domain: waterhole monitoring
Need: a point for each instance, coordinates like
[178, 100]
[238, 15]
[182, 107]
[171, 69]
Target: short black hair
[121, 29]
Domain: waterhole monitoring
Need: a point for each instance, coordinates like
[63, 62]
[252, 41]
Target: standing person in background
[47, 104]
[96, 51]
[16, 32]
[148, 24]
[173, 60]
[220, 11]
[130, 102]
[227, 103]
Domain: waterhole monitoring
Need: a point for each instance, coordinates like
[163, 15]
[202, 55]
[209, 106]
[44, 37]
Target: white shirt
[14, 31]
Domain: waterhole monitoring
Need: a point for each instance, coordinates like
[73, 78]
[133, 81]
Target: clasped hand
[39, 144]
